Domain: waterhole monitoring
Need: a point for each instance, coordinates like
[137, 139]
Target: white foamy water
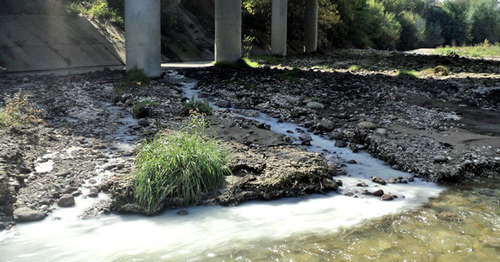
[209, 230]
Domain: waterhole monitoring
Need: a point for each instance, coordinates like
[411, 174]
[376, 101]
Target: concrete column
[227, 31]
[143, 36]
[311, 26]
[279, 27]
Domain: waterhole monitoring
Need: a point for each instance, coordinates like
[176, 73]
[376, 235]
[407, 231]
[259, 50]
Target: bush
[184, 165]
[19, 110]
[199, 106]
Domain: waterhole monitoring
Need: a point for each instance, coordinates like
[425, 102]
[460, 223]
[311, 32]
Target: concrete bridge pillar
[311, 26]
[279, 27]
[143, 36]
[227, 31]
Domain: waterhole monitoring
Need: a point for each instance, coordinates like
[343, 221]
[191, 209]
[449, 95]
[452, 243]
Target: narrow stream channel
[426, 223]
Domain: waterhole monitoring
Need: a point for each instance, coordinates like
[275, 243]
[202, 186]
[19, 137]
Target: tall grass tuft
[184, 165]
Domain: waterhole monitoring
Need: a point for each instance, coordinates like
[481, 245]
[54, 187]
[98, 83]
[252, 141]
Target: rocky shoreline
[422, 126]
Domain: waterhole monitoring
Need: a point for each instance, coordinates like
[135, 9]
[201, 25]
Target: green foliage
[185, 165]
[290, 75]
[408, 73]
[139, 109]
[244, 62]
[199, 106]
[97, 9]
[137, 76]
[483, 18]
[18, 110]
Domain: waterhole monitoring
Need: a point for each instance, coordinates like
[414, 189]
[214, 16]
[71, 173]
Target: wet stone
[340, 143]
[352, 161]
[182, 212]
[378, 193]
[329, 185]
[94, 192]
[66, 201]
[387, 197]
[378, 180]
[26, 214]
[362, 184]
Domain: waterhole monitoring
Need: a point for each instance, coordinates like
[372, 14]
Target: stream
[427, 222]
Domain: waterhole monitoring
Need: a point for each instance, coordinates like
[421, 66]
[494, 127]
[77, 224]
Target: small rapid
[208, 231]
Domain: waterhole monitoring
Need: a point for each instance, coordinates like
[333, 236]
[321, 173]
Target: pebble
[387, 197]
[378, 180]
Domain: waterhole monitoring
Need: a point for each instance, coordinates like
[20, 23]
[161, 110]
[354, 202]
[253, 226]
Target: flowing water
[427, 222]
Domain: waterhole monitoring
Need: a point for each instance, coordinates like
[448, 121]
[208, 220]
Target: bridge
[143, 32]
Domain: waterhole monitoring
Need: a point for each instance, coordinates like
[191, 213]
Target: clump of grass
[354, 68]
[18, 110]
[185, 165]
[269, 59]
[199, 106]
[139, 110]
[441, 70]
[408, 73]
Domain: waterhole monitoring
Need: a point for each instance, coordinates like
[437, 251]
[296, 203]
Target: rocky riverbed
[439, 127]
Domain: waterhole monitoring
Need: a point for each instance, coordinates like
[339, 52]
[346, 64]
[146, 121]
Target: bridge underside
[143, 34]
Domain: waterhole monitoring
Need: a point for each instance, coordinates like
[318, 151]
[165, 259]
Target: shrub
[19, 110]
[199, 106]
[185, 165]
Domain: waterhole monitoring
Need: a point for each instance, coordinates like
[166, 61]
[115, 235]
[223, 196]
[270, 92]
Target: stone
[94, 192]
[26, 214]
[223, 104]
[448, 216]
[352, 161]
[387, 197]
[326, 125]
[440, 159]
[378, 180]
[263, 126]
[381, 131]
[66, 201]
[182, 212]
[378, 193]
[340, 143]
[315, 105]
[329, 185]
[305, 138]
[143, 122]
[339, 182]
[2, 226]
[361, 184]
[366, 124]
[410, 179]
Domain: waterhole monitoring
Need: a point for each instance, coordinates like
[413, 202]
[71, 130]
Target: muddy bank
[442, 128]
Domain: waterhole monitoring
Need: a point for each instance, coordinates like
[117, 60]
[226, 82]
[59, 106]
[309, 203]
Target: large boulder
[26, 214]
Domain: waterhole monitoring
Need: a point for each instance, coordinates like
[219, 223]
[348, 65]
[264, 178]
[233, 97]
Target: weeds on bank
[194, 105]
[96, 9]
[18, 110]
[479, 50]
[139, 109]
[244, 62]
[408, 73]
[185, 165]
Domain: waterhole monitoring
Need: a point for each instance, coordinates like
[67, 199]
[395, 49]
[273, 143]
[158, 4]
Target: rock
[326, 125]
[440, 159]
[76, 193]
[349, 194]
[223, 104]
[352, 161]
[410, 179]
[361, 184]
[305, 138]
[329, 185]
[315, 105]
[366, 124]
[339, 182]
[387, 197]
[94, 192]
[66, 201]
[25, 214]
[378, 180]
[2, 226]
[143, 122]
[378, 193]
[381, 131]
[263, 126]
[340, 143]
[182, 212]
[448, 216]
[392, 180]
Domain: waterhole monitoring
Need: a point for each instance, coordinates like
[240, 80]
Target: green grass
[139, 109]
[198, 106]
[135, 78]
[479, 51]
[187, 165]
[408, 73]
[18, 111]
[439, 70]
[269, 59]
